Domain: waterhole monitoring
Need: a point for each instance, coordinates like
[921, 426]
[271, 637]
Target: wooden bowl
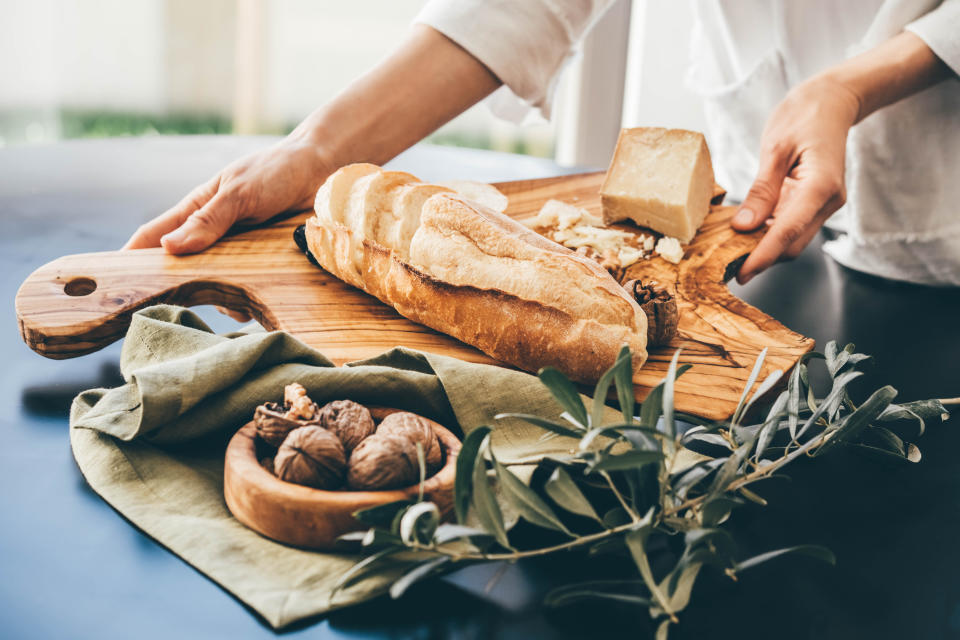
[314, 518]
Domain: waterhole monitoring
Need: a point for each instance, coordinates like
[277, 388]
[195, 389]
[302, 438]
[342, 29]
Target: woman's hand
[802, 152]
[801, 178]
[253, 189]
[427, 81]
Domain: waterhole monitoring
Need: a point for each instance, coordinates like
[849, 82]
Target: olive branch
[644, 476]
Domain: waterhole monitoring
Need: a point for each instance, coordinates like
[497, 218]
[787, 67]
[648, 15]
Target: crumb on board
[576, 228]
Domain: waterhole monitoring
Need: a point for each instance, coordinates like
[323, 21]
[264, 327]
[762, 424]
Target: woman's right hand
[253, 189]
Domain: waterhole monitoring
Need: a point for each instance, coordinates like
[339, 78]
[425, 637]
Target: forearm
[425, 83]
[896, 69]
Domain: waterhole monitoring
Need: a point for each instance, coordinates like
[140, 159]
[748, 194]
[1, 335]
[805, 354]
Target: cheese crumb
[575, 228]
[669, 249]
[561, 215]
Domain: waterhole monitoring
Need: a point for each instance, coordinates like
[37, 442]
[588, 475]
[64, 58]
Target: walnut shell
[351, 422]
[415, 429]
[311, 456]
[660, 307]
[383, 461]
[298, 403]
[273, 424]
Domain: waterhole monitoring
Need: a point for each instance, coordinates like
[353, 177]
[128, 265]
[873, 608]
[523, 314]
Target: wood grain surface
[81, 303]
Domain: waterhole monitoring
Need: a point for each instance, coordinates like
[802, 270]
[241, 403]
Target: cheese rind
[661, 179]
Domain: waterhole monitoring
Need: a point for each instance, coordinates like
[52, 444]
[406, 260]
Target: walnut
[274, 421]
[415, 429]
[661, 310]
[351, 422]
[384, 461]
[298, 403]
[311, 456]
[273, 424]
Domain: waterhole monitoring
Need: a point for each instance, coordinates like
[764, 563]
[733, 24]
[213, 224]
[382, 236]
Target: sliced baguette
[473, 273]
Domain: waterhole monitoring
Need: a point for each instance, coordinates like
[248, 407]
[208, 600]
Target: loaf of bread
[475, 274]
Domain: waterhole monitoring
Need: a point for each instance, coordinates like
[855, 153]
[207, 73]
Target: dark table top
[72, 567]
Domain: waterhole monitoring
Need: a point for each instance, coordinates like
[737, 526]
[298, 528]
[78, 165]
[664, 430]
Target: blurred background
[98, 68]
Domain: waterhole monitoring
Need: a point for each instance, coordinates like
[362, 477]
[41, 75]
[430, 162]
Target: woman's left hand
[800, 182]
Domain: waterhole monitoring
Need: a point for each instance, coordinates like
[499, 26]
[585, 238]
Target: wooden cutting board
[81, 303]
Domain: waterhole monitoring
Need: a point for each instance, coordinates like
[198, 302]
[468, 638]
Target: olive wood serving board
[80, 303]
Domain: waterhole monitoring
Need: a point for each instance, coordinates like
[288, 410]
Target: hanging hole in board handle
[80, 286]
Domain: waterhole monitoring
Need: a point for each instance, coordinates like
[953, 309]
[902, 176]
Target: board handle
[81, 303]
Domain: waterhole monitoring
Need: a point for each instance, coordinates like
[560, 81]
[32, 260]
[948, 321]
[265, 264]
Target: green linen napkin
[154, 448]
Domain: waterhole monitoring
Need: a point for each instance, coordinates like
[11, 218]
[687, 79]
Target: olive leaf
[628, 460]
[360, 569]
[636, 540]
[668, 422]
[623, 377]
[729, 470]
[419, 522]
[888, 440]
[768, 383]
[813, 551]
[418, 573]
[716, 510]
[827, 406]
[793, 401]
[771, 424]
[525, 500]
[710, 438]
[751, 496]
[663, 631]
[597, 589]
[616, 429]
[484, 502]
[752, 378]
[463, 482]
[380, 538]
[851, 425]
[918, 410]
[564, 491]
[448, 532]
[603, 387]
[830, 355]
[652, 407]
[680, 583]
[565, 393]
[616, 517]
[381, 515]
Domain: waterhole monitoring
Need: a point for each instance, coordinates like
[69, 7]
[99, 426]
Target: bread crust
[526, 327]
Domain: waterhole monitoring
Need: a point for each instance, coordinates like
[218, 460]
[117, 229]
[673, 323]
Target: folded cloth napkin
[154, 448]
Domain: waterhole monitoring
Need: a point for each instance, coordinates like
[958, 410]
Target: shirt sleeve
[940, 29]
[525, 44]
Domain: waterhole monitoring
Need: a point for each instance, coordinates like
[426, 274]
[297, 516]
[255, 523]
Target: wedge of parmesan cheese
[661, 179]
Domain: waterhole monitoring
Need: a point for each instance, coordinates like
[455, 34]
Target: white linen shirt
[902, 218]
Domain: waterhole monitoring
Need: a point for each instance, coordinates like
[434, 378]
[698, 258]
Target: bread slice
[473, 273]
[661, 179]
